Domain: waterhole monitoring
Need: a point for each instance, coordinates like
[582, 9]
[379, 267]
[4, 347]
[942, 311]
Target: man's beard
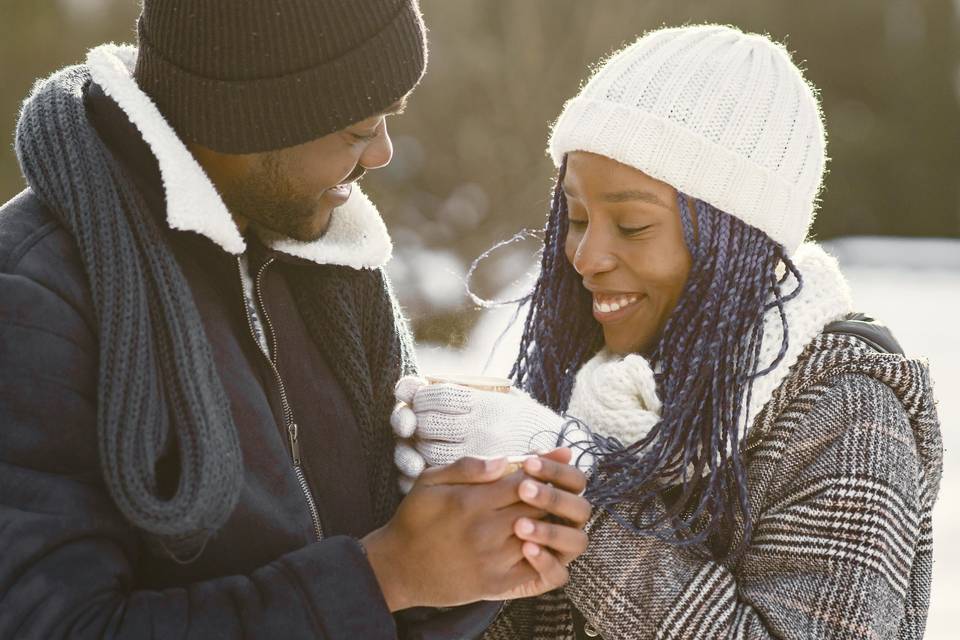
[267, 200]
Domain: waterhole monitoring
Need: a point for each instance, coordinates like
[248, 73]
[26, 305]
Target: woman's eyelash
[362, 138]
[633, 230]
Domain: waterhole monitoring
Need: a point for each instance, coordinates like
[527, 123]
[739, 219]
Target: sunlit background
[470, 168]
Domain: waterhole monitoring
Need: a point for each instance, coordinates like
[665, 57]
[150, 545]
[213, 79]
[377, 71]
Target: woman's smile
[609, 308]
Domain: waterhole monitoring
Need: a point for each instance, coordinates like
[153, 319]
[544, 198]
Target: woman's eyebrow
[632, 195]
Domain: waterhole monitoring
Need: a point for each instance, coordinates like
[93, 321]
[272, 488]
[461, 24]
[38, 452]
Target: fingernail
[534, 465]
[528, 489]
[525, 526]
[531, 549]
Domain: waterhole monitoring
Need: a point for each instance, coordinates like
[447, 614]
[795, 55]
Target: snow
[912, 286]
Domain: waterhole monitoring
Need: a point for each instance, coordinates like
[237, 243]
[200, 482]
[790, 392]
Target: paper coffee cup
[480, 383]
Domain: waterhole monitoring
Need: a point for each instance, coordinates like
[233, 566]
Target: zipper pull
[294, 434]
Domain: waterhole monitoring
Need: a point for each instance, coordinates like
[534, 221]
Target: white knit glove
[616, 396]
[441, 423]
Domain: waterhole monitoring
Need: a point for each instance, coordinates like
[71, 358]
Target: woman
[761, 471]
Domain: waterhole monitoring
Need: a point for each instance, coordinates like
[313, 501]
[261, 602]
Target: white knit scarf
[616, 395]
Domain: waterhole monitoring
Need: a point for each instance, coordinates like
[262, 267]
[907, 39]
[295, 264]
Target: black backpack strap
[867, 329]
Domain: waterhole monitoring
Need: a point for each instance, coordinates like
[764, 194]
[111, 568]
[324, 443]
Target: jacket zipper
[293, 435]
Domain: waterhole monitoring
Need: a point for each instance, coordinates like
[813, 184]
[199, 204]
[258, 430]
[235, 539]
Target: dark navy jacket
[70, 565]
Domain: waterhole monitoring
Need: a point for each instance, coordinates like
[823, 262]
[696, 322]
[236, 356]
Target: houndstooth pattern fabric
[844, 466]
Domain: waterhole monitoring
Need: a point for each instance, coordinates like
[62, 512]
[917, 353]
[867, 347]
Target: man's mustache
[355, 175]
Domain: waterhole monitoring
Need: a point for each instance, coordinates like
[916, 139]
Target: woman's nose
[593, 255]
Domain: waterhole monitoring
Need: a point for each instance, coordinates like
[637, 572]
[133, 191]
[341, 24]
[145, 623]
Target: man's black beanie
[246, 76]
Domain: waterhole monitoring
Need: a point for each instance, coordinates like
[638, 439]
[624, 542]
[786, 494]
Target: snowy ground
[911, 285]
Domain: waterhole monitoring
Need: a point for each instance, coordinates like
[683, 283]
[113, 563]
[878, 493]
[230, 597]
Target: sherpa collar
[357, 236]
[619, 390]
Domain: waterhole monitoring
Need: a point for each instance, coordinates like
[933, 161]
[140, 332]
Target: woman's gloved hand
[441, 423]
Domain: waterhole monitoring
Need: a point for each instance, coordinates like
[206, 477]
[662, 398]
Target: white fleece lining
[356, 238]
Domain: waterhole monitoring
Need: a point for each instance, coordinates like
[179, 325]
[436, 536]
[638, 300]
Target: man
[198, 347]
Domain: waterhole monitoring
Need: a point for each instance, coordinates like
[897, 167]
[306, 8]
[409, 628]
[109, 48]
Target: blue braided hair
[706, 359]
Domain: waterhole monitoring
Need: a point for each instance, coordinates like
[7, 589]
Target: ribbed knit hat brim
[720, 115]
[268, 113]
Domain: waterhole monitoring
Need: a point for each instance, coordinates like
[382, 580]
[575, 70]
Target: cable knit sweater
[843, 461]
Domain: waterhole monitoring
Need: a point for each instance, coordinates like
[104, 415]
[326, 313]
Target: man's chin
[309, 230]
[317, 226]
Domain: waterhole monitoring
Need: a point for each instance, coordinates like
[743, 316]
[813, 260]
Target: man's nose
[594, 255]
[379, 152]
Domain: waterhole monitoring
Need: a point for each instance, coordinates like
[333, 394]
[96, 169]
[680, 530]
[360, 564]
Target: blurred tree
[36, 38]
[470, 167]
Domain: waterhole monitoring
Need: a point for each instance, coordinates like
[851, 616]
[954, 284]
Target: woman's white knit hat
[721, 115]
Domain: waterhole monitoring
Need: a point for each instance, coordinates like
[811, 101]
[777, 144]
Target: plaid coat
[843, 466]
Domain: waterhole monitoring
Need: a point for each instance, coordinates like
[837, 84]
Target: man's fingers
[566, 542]
[563, 504]
[403, 420]
[556, 473]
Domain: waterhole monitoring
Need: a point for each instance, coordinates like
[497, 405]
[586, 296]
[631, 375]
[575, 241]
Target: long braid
[706, 358]
[559, 333]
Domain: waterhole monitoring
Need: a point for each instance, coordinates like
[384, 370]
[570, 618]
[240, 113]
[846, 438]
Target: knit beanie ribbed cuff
[688, 162]
[263, 114]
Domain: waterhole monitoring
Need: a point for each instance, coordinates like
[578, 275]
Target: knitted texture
[159, 391]
[616, 396]
[844, 466]
[354, 318]
[246, 77]
[454, 421]
[156, 366]
[721, 115]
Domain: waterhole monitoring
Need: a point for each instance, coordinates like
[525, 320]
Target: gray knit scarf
[158, 388]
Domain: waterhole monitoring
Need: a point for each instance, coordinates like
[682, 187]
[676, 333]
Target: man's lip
[341, 191]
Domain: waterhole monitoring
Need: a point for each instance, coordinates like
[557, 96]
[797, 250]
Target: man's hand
[452, 539]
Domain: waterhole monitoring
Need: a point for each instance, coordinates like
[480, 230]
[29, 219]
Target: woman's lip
[608, 317]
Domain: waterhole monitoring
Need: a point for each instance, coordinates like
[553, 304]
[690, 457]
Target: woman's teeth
[609, 304]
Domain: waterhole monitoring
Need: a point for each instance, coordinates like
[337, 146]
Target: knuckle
[548, 532]
[552, 496]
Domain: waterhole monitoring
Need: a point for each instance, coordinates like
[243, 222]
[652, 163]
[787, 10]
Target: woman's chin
[623, 345]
